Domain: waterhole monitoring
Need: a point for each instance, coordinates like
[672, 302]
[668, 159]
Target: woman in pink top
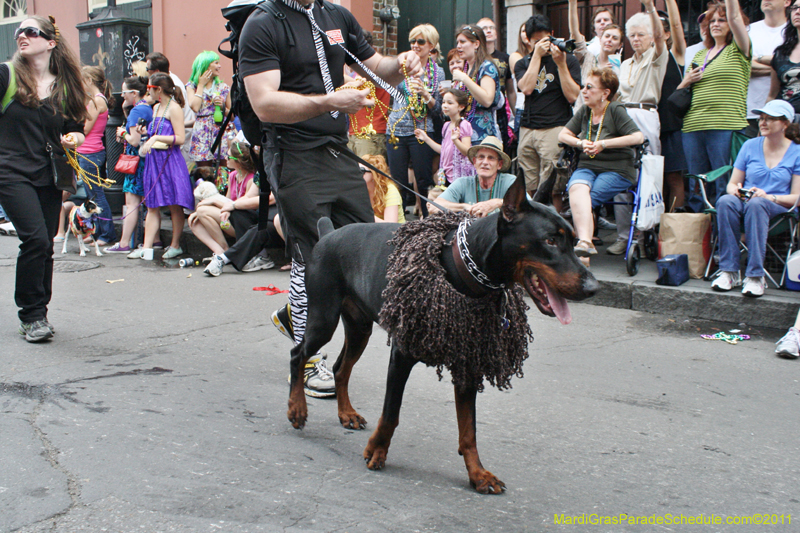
[92, 152]
[209, 222]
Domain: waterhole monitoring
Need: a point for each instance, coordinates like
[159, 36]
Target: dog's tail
[324, 226]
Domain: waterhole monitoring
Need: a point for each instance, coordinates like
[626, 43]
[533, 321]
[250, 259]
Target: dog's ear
[515, 200]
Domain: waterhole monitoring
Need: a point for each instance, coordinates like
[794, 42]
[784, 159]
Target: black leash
[346, 152]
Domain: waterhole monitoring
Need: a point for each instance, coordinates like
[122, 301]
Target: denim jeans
[756, 213]
[2, 213]
[421, 158]
[705, 151]
[603, 186]
[105, 226]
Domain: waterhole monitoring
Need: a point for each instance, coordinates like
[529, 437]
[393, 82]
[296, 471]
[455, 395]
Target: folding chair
[737, 140]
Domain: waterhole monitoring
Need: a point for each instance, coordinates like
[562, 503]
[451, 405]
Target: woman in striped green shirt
[719, 78]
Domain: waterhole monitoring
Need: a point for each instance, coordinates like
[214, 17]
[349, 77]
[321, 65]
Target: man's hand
[482, 209]
[542, 48]
[350, 101]
[413, 65]
[558, 56]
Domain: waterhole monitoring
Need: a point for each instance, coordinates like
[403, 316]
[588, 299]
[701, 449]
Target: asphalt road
[161, 407]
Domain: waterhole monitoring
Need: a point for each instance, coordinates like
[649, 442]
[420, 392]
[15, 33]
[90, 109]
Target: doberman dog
[525, 242]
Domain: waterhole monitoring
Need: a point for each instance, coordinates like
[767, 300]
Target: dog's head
[89, 208]
[538, 253]
[204, 189]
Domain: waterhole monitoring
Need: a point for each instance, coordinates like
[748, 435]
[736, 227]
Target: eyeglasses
[30, 32]
[589, 87]
[153, 87]
[767, 118]
[420, 42]
[792, 9]
[126, 92]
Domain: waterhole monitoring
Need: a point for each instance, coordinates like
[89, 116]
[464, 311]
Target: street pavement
[160, 406]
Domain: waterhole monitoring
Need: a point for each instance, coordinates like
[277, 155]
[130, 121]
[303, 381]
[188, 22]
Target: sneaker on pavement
[172, 253]
[258, 262]
[117, 249]
[214, 268]
[602, 223]
[789, 345]
[618, 248]
[754, 287]
[282, 319]
[319, 381]
[136, 254]
[35, 331]
[726, 281]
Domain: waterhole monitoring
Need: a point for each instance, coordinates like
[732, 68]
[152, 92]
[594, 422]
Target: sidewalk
[693, 299]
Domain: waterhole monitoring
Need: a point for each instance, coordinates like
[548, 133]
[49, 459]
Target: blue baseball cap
[777, 109]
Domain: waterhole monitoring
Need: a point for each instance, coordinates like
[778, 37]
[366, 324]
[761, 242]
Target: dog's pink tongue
[559, 306]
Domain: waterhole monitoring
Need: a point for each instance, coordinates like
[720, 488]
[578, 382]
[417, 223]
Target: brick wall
[378, 27]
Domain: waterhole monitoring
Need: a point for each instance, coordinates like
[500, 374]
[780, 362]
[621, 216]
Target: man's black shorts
[317, 183]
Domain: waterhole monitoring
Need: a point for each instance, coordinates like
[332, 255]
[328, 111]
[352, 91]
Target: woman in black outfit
[48, 107]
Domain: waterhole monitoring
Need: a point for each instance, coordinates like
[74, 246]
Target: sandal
[585, 248]
[58, 239]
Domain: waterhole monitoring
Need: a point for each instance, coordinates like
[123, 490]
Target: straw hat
[492, 143]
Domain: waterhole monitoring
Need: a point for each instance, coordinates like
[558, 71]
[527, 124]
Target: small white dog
[83, 223]
[203, 191]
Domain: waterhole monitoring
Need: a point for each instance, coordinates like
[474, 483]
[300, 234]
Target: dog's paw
[486, 483]
[297, 414]
[375, 457]
[352, 420]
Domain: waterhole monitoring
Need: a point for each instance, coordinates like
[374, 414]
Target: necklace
[414, 106]
[160, 122]
[478, 189]
[599, 127]
[367, 130]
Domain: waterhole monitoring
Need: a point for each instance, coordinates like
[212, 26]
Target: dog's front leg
[484, 481]
[377, 448]
[298, 409]
[81, 245]
[64, 248]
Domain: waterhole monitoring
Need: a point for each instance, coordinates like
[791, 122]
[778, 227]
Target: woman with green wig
[209, 97]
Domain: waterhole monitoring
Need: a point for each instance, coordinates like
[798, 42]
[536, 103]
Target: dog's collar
[476, 279]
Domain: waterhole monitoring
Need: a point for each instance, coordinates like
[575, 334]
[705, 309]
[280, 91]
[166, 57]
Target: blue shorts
[603, 187]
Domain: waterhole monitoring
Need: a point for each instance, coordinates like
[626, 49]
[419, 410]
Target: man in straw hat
[481, 194]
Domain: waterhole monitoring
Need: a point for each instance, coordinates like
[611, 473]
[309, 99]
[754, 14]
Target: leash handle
[346, 152]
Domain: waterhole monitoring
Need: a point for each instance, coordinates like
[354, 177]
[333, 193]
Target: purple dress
[166, 177]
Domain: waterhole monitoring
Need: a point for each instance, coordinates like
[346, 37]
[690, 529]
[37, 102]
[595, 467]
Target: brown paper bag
[686, 233]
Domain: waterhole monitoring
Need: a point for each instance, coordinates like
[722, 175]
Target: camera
[746, 194]
[567, 46]
[142, 122]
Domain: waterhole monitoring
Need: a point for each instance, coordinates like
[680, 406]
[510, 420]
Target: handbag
[160, 145]
[127, 164]
[680, 101]
[63, 177]
[673, 270]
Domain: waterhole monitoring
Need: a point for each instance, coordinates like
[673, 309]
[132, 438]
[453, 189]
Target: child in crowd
[454, 62]
[456, 139]
[387, 204]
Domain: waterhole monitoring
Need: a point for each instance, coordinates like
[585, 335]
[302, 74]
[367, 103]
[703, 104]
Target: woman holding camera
[765, 183]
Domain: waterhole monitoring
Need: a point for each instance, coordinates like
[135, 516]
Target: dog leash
[341, 149]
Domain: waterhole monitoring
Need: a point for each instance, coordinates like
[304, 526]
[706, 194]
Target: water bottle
[186, 263]
[218, 112]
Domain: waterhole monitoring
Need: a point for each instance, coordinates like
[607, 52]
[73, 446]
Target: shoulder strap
[11, 90]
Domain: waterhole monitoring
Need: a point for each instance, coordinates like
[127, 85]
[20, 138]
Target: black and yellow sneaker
[282, 319]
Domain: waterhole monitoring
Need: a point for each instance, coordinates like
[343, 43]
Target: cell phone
[142, 122]
[694, 65]
[745, 193]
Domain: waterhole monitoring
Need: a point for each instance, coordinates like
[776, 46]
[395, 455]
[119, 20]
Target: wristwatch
[774, 198]
[603, 144]
[580, 144]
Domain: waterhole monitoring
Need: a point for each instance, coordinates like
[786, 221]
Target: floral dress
[205, 129]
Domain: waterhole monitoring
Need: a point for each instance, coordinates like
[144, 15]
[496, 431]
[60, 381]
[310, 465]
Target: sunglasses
[148, 69]
[30, 32]
[126, 92]
[363, 168]
[420, 42]
[153, 87]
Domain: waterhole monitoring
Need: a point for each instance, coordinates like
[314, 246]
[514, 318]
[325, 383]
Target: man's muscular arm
[279, 107]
